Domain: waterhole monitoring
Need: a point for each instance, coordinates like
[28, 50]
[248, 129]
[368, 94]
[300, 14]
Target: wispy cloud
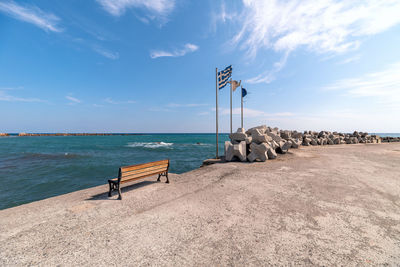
[156, 8]
[97, 106]
[187, 48]
[106, 53]
[383, 85]
[73, 100]
[31, 14]
[222, 16]
[174, 105]
[114, 102]
[270, 75]
[323, 26]
[329, 26]
[251, 113]
[350, 59]
[9, 98]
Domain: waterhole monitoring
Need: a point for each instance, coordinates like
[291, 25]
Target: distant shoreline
[95, 134]
[66, 134]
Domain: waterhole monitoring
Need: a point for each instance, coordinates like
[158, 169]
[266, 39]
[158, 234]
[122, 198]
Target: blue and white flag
[223, 77]
[244, 92]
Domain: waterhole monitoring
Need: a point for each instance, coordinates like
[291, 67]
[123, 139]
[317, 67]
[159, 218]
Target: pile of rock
[262, 142]
[388, 139]
[335, 138]
[258, 144]
[3, 134]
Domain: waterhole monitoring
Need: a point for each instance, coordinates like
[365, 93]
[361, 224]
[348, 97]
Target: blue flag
[244, 92]
[223, 77]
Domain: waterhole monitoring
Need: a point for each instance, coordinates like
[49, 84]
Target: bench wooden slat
[138, 171]
[141, 166]
[143, 173]
[149, 169]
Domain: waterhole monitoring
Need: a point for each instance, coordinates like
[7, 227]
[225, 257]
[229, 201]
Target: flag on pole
[244, 92]
[223, 77]
[235, 84]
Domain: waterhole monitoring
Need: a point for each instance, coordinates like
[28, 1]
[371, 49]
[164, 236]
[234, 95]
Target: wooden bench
[138, 171]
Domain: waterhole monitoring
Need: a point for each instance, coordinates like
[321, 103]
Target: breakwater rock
[262, 143]
[388, 139]
[3, 134]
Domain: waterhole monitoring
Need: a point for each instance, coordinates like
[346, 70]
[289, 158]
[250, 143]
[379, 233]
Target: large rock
[239, 136]
[262, 129]
[259, 137]
[274, 136]
[274, 144]
[313, 142]
[295, 142]
[284, 147]
[271, 153]
[286, 135]
[306, 141]
[297, 135]
[258, 152]
[248, 140]
[235, 150]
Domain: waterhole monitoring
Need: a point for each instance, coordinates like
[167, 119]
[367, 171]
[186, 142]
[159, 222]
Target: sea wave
[43, 156]
[150, 144]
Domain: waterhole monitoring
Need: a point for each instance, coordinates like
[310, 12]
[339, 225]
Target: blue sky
[149, 65]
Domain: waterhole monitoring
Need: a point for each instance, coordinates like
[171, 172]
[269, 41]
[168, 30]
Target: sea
[38, 167]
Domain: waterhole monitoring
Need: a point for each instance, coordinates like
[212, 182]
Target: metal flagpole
[216, 110]
[241, 94]
[231, 105]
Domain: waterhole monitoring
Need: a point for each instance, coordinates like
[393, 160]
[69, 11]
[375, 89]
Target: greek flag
[223, 77]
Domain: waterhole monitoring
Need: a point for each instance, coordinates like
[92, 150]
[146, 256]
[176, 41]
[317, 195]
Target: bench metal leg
[158, 179]
[166, 175]
[111, 188]
[119, 192]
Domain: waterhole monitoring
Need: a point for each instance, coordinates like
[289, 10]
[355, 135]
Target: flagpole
[241, 94]
[216, 111]
[231, 105]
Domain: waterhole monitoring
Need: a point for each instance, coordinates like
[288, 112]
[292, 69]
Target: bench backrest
[142, 170]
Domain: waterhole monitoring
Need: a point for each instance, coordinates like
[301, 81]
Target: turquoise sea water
[38, 167]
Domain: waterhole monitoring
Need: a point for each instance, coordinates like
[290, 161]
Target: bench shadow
[124, 189]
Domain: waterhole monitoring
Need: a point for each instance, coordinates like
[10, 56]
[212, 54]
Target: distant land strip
[66, 134]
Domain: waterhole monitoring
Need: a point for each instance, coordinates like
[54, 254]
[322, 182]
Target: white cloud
[321, 26]
[111, 101]
[350, 59]
[188, 48]
[73, 99]
[383, 85]
[97, 106]
[9, 98]
[328, 26]
[247, 112]
[117, 8]
[31, 14]
[106, 53]
[174, 105]
[270, 75]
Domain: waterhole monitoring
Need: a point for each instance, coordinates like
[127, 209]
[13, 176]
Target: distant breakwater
[67, 134]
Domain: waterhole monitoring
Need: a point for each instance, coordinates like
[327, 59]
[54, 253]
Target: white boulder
[235, 150]
[258, 152]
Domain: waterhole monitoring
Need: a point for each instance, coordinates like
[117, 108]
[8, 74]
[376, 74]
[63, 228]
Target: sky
[149, 65]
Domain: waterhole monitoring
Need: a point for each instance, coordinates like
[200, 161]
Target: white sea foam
[149, 144]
